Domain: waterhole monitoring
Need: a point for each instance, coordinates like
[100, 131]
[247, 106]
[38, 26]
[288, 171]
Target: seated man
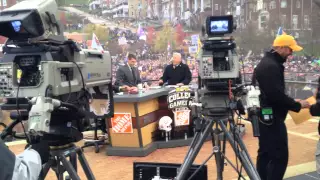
[176, 73]
[128, 74]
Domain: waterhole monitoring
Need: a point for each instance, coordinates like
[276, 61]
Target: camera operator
[25, 166]
[273, 152]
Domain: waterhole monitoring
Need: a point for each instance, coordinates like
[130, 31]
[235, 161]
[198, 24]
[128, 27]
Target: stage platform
[302, 143]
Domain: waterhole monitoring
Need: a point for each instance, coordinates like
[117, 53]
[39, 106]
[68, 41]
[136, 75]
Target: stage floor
[302, 144]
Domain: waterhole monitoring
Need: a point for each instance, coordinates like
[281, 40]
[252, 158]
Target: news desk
[146, 109]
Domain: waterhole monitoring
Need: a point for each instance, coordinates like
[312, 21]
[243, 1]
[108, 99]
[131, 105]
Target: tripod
[59, 164]
[220, 132]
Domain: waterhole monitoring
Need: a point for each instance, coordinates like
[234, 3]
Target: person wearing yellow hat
[273, 152]
[285, 45]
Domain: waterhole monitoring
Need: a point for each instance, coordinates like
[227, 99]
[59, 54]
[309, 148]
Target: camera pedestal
[59, 164]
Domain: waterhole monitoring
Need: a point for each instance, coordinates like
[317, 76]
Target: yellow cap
[285, 40]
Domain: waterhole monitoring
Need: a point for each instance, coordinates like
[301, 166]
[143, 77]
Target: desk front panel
[147, 111]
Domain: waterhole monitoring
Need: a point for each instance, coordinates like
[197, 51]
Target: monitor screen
[21, 25]
[219, 26]
[16, 25]
[147, 171]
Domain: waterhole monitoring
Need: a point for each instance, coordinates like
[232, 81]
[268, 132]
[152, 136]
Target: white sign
[194, 39]
[122, 41]
[193, 49]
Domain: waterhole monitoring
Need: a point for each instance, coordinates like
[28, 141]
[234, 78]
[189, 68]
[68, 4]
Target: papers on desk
[175, 86]
[155, 87]
[304, 114]
[172, 86]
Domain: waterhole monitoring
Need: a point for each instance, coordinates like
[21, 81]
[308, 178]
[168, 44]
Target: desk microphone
[164, 84]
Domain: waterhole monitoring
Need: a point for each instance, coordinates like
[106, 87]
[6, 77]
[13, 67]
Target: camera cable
[17, 104]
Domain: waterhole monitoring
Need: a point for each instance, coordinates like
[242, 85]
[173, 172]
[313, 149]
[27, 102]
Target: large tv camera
[219, 67]
[219, 73]
[49, 76]
[218, 99]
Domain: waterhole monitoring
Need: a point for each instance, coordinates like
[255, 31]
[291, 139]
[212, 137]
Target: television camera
[50, 81]
[218, 98]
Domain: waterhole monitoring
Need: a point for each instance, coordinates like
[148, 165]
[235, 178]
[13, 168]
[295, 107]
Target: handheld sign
[178, 101]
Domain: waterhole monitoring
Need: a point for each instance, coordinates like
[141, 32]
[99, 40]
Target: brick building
[218, 7]
[7, 3]
[293, 15]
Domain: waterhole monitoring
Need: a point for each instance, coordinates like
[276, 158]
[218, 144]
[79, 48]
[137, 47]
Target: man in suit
[128, 75]
[176, 73]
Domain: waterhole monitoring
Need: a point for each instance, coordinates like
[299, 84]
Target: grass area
[67, 2]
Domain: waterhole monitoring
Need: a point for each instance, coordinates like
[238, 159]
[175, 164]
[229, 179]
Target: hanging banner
[178, 101]
[122, 123]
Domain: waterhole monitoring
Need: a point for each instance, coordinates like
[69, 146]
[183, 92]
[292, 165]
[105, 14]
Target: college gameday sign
[179, 98]
[178, 101]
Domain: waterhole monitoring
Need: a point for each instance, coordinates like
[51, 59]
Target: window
[298, 5]
[283, 20]
[216, 7]
[283, 4]
[265, 6]
[306, 21]
[273, 5]
[294, 21]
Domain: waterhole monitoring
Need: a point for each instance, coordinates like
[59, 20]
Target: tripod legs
[194, 149]
[198, 142]
[243, 153]
[216, 143]
[59, 164]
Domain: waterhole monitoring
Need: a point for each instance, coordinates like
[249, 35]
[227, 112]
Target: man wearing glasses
[273, 141]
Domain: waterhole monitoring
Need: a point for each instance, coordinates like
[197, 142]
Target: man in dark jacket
[273, 141]
[176, 73]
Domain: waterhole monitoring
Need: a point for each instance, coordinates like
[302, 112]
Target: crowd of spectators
[295, 64]
[151, 67]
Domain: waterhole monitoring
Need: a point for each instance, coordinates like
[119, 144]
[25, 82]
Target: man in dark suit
[128, 74]
[176, 73]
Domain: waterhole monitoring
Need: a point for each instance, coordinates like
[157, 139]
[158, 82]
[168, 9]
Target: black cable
[69, 83]
[17, 104]
[82, 79]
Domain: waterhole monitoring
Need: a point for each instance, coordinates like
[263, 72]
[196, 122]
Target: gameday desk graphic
[134, 129]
